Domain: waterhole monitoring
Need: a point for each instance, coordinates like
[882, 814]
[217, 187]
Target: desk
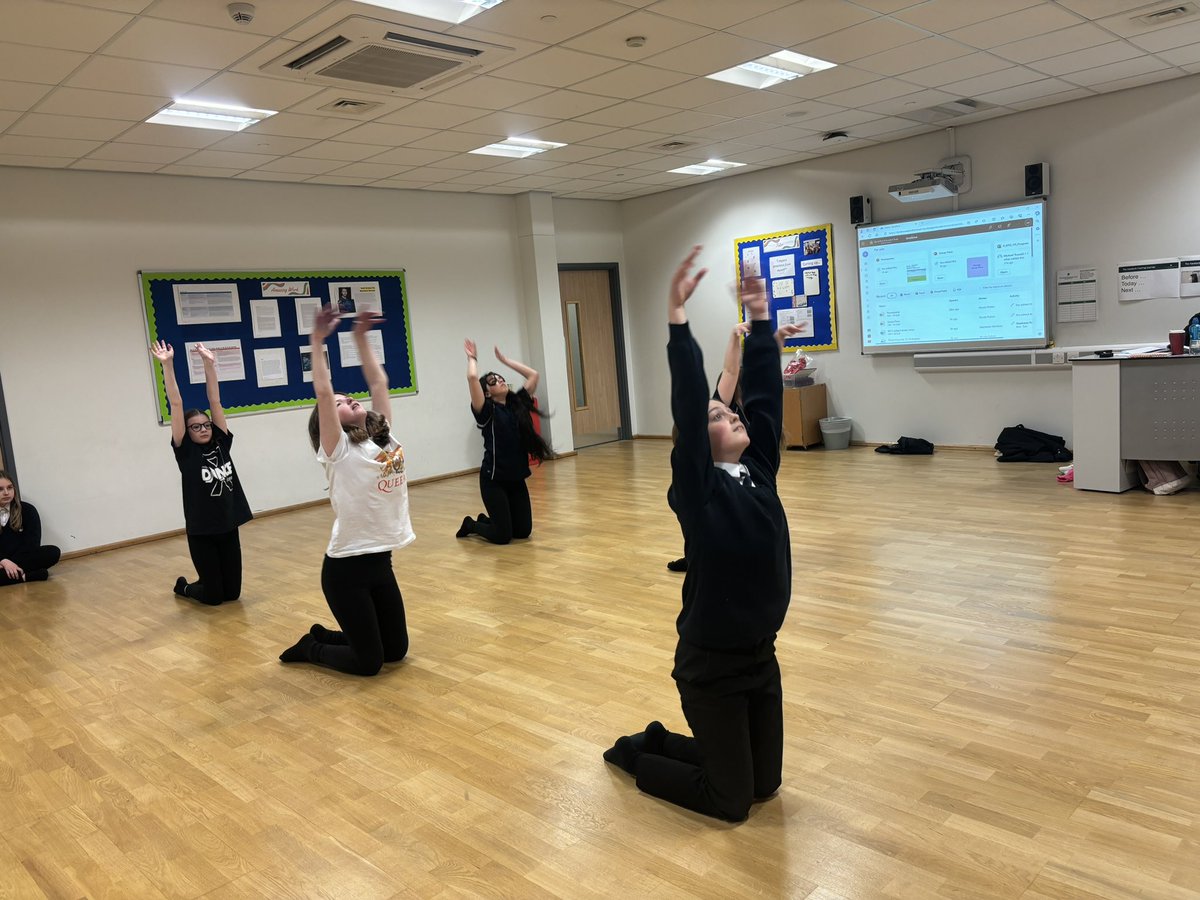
[1130, 409]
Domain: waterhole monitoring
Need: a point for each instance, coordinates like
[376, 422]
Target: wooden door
[591, 356]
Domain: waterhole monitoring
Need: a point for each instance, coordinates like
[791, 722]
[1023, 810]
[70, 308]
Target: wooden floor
[991, 687]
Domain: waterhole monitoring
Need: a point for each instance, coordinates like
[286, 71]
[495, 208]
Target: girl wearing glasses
[505, 418]
[214, 506]
[739, 579]
[368, 490]
[22, 556]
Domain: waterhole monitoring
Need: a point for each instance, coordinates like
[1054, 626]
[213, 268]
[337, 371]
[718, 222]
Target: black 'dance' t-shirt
[213, 501]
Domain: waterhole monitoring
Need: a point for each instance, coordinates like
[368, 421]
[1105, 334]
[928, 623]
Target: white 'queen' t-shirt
[369, 494]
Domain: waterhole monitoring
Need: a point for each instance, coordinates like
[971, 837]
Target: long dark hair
[376, 428]
[522, 404]
[14, 508]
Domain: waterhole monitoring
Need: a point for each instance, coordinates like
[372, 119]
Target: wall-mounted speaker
[1037, 179]
[860, 210]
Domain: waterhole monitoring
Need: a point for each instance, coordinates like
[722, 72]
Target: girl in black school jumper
[505, 418]
[22, 556]
[214, 505]
[368, 491]
[738, 583]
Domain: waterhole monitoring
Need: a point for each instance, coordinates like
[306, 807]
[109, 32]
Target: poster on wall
[798, 267]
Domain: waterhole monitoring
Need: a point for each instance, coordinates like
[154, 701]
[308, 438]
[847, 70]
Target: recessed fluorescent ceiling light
[771, 70]
[215, 116]
[707, 167]
[518, 147]
[452, 11]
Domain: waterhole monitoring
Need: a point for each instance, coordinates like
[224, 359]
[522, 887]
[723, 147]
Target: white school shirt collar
[737, 470]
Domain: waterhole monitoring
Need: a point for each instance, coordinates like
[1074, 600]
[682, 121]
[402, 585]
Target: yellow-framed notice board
[798, 268]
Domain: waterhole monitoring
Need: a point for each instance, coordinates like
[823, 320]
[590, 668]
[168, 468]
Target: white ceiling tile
[1136, 80]
[683, 122]
[562, 104]
[695, 93]
[140, 153]
[338, 180]
[898, 106]
[107, 73]
[1180, 56]
[466, 162]
[292, 125]
[903, 59]
[1098, 9]
[661, 33]
[115, 165]
[194, 171]
[625, 158]
[401, 184]
[1052, 99]
[44, 24]
[842, 120]
[1169, 38]
[1015, 26]
[629, 82]
[428, 114]
[456, 141]
[18, 95]
[711, 53]
[807, 20]
[410, 156]
[795, 113]
[507, 124]
[38, 146]
[956, 70]
[941, 16]
[1192, 68]
[296, 166]
[234, 89]
[270, 18]
[557, 67]
[42, 125]
[218, 159]
[129, 6]
[884, 125]
[157, 40]
[67, 101]
[250, 175]
[716, 14]
[1117, 51]
[387, 135]
[449, 187]
[822, 84]
[574, 153]
[171, 136]
[371, 171]
[567, 133]
[1130, 24]
[884, 89]
[430, 174]
[993, 81]
[1056, 43]
[623, 115]
[490, 93]
[340, 150]
[44, 162]
[748, 104]
[270, 144]
[21, 63]
[1033, 90]
[7, 117]
[1115, 71]
[547, 21]
[482, 178]
[860, 41]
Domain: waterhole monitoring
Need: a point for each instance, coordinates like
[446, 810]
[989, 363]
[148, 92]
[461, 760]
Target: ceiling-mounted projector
[951, 179]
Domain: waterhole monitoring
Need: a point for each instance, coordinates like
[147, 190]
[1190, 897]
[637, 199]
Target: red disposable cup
[1176, 343]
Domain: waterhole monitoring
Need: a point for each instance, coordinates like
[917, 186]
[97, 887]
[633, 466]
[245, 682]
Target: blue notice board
[258, 325]
[798, 268]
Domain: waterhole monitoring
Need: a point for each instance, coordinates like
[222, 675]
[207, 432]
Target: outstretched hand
[683, 283]
[752, 294]
[469, 347]
[741, 329]
[325, 323]
[500, 356]
[366, 320]
[162, 351]
[206, 355]
[786, 333]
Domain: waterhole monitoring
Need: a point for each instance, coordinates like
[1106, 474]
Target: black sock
[482, 517]
[181, 586]
[655, 738]
[325, 636]
[36, 574]
[299, 652]
[623, 754]
[467, 527]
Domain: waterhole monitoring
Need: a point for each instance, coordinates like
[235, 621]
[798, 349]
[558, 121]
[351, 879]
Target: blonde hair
[377, 429]
[14, 508]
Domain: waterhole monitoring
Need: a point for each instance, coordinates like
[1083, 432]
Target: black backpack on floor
[1020, 444]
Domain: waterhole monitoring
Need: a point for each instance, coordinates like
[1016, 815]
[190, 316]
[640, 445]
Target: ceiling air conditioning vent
[381, 56]
[1167, 14]
[672, 146]
[951, 109]
[350, 107]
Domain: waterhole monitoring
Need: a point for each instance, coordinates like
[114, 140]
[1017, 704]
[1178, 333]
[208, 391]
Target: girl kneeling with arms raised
[368, 491]
[739, 578]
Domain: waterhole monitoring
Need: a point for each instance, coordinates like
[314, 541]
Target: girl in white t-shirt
[369, 494]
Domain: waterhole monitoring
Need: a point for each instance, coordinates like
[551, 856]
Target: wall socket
[1058, 357]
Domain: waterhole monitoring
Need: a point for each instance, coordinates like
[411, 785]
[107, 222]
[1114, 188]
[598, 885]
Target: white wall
[77, 376]
[1125, 180]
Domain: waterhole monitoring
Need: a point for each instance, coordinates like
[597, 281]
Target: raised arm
[165, 354]
[473, 385]
[762, 381]
[372, 369]
[530, 375]
[324, 324]
[731, 368]
[212, 387]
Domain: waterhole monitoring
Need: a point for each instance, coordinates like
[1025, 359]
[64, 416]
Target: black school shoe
[907, 446]
[677, 565]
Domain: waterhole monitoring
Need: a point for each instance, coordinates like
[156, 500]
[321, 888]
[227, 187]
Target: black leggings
[218, 562]
[33, 563]
[364, 598]
[508, 511]
[733, 702]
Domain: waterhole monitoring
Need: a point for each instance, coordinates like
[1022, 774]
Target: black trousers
[364, 598]
[218, 562]
[733, 702]
[34, 561]
[507, 505]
